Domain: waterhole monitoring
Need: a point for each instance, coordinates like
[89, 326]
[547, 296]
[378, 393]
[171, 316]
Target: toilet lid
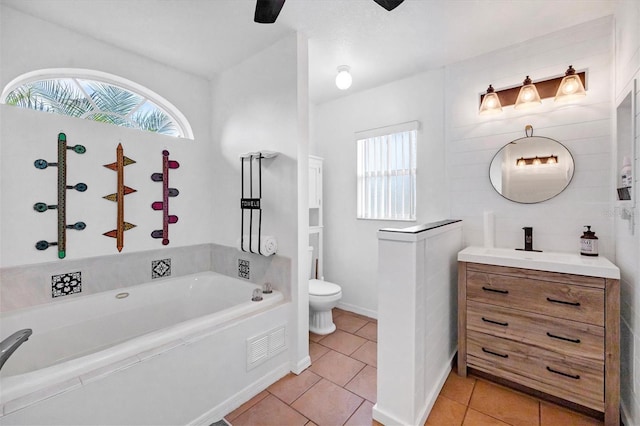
[323, 288]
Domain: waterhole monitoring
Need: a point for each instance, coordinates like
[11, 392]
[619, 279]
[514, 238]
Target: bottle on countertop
[589, 243]
[625, 172]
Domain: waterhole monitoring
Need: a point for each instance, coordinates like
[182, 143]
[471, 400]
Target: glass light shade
[570, 88]
[536, 161]
[490, 102]
[528, 95]
[521, 162]
[343, 79]
[552, 160]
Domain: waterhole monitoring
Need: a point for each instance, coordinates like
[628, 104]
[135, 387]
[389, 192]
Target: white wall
[350, 253]
[627, 243]
[30, 44]
[256, 107]
[584, 128]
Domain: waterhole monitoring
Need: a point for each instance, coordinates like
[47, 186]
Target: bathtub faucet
[11, 343]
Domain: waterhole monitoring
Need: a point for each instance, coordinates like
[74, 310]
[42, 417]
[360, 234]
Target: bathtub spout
[11, 343]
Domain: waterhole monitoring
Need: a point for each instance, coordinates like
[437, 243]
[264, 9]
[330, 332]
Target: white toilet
[323, 296]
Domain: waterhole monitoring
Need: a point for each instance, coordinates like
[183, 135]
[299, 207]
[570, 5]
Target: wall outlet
[66, 284]
[243, 268]
[161, 268]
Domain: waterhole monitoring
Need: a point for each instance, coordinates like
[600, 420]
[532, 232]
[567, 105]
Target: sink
[528, 255]
[569, 263]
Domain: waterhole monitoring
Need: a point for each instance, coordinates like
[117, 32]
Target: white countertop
[568, 263]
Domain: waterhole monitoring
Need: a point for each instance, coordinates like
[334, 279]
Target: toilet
[323, 297]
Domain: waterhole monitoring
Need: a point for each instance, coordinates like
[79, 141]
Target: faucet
[528, 239]
[11, 343]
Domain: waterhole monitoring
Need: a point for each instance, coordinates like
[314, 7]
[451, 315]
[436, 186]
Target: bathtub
[84, 340]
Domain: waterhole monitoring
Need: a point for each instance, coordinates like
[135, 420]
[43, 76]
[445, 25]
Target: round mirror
[531, 169]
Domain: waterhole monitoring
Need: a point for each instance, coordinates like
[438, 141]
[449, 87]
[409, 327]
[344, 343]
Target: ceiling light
[343, 79]
[490, 102]
[528, 95]
[570, 87]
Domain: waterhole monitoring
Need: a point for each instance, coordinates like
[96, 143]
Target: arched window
[97, 96]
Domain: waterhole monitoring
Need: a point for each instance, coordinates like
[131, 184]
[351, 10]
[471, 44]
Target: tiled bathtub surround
[24, 286]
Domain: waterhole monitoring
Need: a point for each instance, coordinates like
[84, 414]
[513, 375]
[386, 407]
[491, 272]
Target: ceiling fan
[267, 11]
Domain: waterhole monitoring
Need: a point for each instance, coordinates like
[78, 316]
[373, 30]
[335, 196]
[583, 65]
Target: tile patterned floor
[340, 389]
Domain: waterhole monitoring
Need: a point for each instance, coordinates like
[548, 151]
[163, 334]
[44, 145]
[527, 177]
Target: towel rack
[251, 203]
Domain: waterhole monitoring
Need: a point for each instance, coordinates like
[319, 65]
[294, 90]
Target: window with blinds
[387, 173]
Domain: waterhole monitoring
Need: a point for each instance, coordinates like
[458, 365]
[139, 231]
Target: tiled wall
[24, 286]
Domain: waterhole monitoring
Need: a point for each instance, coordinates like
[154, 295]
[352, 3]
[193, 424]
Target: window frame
[362, 137]
[184, 128]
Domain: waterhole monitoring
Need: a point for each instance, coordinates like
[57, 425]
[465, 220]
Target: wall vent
[266, 345]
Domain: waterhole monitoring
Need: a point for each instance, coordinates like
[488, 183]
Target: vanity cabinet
[554, 332]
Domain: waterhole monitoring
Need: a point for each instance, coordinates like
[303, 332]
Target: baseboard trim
[219, 411]
[301, 365]
[358, 310]
[624, 415]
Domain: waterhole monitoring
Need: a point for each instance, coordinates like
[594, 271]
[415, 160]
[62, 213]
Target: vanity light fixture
[490, 102]
[343, 79]
[568, 87]
[534, 161]
[571, 87]
[528, 95]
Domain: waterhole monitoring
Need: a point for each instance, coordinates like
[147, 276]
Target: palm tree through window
[97, 99]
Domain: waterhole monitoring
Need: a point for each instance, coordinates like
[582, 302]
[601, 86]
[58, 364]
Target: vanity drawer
[571, 338]
[568, 301]
[558, 375]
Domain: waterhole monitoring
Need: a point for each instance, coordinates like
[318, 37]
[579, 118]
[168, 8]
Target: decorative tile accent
[161, 268]
[243, 268]
[65, 284]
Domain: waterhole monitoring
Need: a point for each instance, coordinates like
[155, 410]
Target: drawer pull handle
[563, 302]
[504, 324]
[571, 376]
[495, 290]
[567, 339]
[495, 353]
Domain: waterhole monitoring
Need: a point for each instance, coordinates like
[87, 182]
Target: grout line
[356, 410]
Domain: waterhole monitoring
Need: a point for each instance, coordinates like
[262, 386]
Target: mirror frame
[535, 201]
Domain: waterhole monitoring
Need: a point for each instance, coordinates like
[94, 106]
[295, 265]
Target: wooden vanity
[547, 321]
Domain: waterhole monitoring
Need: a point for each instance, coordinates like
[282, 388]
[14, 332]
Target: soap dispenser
[589, 243]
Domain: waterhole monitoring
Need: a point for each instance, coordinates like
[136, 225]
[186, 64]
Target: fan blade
[267, 11]
[389, 4]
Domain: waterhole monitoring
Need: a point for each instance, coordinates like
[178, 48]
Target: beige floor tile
[476, 418]
[349, 323]
[290, 387]
[268, 412]
[364, 384]
[504, 404]
[310, 423]
[316, 350]
[446, 412]
[369, 331]
[313, 337]
[327, 404]
[343, 342]
[552, 415]
[244, 407]
[336, 312]
[458, 388]
[362, 416]
[337, 367]
[367, 353]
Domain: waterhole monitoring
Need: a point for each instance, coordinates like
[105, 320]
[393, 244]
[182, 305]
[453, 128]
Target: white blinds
[387, 176]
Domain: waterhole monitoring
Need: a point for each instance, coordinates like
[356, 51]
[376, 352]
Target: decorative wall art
[40, 207]
[118, 197]
[166, 193]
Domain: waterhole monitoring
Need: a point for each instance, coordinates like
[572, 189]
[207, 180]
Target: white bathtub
[80, 340]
